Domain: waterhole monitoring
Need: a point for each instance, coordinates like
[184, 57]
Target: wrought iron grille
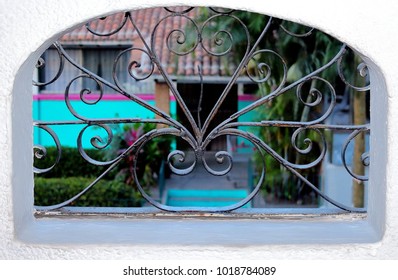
[206, 34]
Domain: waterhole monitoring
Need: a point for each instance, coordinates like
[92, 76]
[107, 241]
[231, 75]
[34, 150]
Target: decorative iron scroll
[195, 41]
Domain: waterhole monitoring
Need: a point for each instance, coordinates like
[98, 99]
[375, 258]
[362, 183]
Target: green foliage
[50, 191]
[71, 164]
[150, 156]
[117, 188]
[279, 182]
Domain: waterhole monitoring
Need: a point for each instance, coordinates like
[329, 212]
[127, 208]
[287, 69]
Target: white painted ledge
[174, 232]
[149, 226]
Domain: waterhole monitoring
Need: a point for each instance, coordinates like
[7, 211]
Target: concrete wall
[27, 29]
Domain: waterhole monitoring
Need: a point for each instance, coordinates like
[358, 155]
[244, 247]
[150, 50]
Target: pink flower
[131, 136]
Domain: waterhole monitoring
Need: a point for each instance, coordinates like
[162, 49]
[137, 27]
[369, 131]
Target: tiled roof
[147, 20]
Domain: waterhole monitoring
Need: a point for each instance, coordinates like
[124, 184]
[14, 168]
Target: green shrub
[50, 191]
[117, 188]
[71, 164]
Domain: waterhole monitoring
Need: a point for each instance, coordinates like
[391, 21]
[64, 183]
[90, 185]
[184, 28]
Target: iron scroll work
[199, 135]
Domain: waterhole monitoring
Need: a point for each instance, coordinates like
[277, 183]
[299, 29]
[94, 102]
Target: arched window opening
[200, 109]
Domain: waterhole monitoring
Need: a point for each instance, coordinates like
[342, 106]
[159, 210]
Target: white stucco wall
[28, 26]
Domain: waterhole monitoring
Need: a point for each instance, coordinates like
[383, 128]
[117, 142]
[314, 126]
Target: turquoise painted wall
[244, 145]
[56, 110]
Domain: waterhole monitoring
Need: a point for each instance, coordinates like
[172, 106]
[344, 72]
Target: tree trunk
[359, 117]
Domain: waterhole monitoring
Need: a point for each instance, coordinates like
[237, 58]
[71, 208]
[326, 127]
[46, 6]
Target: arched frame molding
[143, 232]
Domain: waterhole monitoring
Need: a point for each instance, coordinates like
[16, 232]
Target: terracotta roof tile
[164, 22]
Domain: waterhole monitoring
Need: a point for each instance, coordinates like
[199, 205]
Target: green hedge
[50, 191]
[71, 164]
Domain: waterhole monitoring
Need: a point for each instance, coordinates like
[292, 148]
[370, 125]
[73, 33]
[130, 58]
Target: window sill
[156, 228]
